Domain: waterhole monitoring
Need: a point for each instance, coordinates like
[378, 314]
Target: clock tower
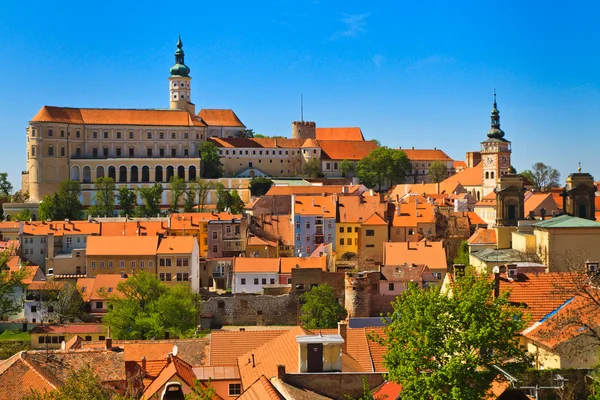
[495, 153]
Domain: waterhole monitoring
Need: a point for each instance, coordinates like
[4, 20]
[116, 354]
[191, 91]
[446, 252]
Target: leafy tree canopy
[151, 200]
[211, 167]
[201, 391]
[149, 308]
[104, 196]
[543, 177]
[438, 171]
[383, 166]
[312, 169]
[201, 188]
[178, 188]
[63, 204]
[5, 186]
[127, 199]
[260, 185]
[320, 308]
[245, 133]
[9, 281]
[228, 200]
[24, 215]
[347, 168]
[445, 346]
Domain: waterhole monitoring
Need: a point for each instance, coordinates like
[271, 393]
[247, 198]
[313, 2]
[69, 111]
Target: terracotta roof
[352, 209]
[292, 392]
[100, 287]
[312, 189]
[357, 347]
[276, 227]
[60, 228]
[315, 205]
[375, 219]
[483, 236]
[261, 389]
[467, 177]
[133, 228]
[264, 143]
[191, 221]
[18, 378]
[408, 273]
[255, 264]
[488, 200]
[289, 263]
[227, 346]
[460, 165]
[258, 241]
[425, 189]
[345, 150]
[107, 116]
[539, 293]
[377, 351]
[220, 117]
[309, 143]
[121, 246]
[31, 270]
[388, 390]
[475, 219]
[216, 373]
[424, 252]
[353, 133]
[176, 245]
[426, 155]
[74, 329]
[413, 210]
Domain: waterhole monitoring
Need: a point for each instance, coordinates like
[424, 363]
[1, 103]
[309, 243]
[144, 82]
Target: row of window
[106, 135]
[349, 229]
[122, 264]
[329, 237]
[318, 221]
[179, 277]
[30, 240]
[263, 281]
[260, 152]
[181, 262]
[60, 339]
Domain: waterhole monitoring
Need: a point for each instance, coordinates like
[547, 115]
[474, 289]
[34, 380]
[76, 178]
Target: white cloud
[355, 25]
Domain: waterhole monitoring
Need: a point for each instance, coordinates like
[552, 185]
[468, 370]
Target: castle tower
[179, 83]
[510, 200]
[579, 194]
[357, 298]
[495, 153]
[304, 130]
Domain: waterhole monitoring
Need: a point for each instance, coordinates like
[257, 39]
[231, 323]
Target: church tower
[495, 153]
[179, 83]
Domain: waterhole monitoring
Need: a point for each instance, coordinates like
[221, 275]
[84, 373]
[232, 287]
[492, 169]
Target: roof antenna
[301, 108]
[579, 167]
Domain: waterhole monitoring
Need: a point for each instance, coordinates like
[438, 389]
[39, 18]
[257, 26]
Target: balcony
[319, 230]
[319, 239]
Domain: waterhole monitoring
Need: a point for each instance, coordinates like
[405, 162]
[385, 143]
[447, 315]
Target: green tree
[189, 201]
[149, 308]
[383, 166]
[512, 170]
[228, 200]
[462, 255]
[543, 177]
[127, 199]
[260, 185]
[178, 187]
[312, 169]
[245, 133]
[66, 301]
[211, 166]
[347, 168]
[438, 171]
[82, 384]
[377, 142]
[104, 195]
[237, 205]
[201, 391]
[202, 188]
[63, 204]
[5, 186]
[151, 199]
[10, 304]
[24, 215]
[320, 308]
[442, 346]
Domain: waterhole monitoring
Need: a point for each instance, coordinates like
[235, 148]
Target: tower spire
[495, 132]
[180, 69]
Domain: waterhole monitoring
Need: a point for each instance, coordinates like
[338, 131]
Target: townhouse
[425, 252]
[121, 255]
[314, 219]
[97, 291]
[178, 261]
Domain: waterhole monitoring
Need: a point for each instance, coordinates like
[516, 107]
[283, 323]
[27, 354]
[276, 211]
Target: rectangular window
[307, 250]
[33, 308]
[88, 338]
[355, 229]
[173, 153]
[121, 264]
[130, 135]
[173, 135]
[95, 135]
[272, 281]
[99, 304]
[349, 230]
[256, 281]
[150, 264]
[77, 134]
[186, 152]
[110, 264]
[93, 264]
[308, 238]
[105, 152]
[307, 224]
[161, 135]
[119, 152]
[370, 232]
[78, 152]
[214, 235]
[185, 135]
[118, 135]
[168, 277]
[370, 246]
[341, 241]
[391, 286]
[62, 151]
[342, 229]
[62, 133]
[297, 237]
[50, 150]
[149, 135]
[243, 281]
[214, 249]
[131, 152]
[101, 264]
[105, 135]
[49, 132]
[264, 281]
[149, 152]
[142, 264]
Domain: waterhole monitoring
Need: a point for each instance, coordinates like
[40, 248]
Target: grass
[15, 336]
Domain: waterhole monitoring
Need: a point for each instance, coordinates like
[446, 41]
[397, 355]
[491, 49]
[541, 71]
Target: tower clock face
[489, 161]
[504, 161]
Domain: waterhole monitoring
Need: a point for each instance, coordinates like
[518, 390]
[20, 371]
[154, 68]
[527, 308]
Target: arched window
[87, 174]
[181, 172]
[170, 172]
[134, 174]
[122, 173]
[112, 173]
[487, 175]
[99, 172]
[145, 173]
[192, 173]
[158, 174]
[32, 151]
[75, 173]
[492, 174]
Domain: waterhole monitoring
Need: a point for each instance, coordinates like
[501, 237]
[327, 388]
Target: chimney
[343, 332]
[281, 372]
[108, 343]
[253, 363]
[167, 335]
[344, 189]
[169, 358]
[398, 210]
[543, 213]
[459, 270]
[313, 201]
[371, 192]
[591, 266]
[144, 365]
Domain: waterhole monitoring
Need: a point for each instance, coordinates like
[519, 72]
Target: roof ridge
[50, 380]
[117, 109]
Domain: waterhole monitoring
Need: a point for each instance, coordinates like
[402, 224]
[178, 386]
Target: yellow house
[51, 336]
[178, 261]
[121, 254]
[373, 234]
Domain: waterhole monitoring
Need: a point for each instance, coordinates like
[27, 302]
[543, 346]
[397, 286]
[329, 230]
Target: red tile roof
[220, 117]
[488, 200]
[426, 155]
[261, 389]
[255, 264]
[346, 150]
[268, 143]
[354, 134]
[289, 263]
[467, 177]
[315, 205]
[176, 245]
[475, 219]
[425, 252]
[388, 390]
[100, 287]
[74, 329]
[122, 245]
[107, 116]
[133, 228]
[227, 346]
[312, 189]
[483, 236]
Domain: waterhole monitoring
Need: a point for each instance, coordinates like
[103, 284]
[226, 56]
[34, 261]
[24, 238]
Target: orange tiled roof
[344, 149]
[483, 236]
[375, 219]
[100, 287]
[352, 209]
[121, 246]
[475, 219]
[261, 389]
[488, 200]
[265, 143]
[60, 228]
[133, 228]
[468, 176]
[357, 347]
[255, 264]
[377, 351]
[277, 228]
[460, 165]
[258, 241]
[289, 263]
[312, 189]
[425, 189]
[191, 221]
[227, 346]
[354, 134]
[388, 390]
[426, 155]
[107, 116]
[315, 205]
[413, 210]
[176, 245]
[18, 378]
[424, 252]
[309, 143]
[534, 201]
[220, 117]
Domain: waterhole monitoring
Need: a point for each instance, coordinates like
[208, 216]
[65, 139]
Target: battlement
[304, 130]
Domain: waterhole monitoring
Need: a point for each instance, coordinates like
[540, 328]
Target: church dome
[180, 69]
[495, 132]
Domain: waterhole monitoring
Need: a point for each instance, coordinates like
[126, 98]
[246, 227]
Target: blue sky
[417, 73]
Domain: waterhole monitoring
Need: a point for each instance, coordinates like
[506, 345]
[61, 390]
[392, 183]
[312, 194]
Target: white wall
[250, 286]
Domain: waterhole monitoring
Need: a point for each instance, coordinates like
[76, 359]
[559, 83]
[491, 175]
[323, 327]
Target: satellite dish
[175, 349]
[63, 345]
[496, 270]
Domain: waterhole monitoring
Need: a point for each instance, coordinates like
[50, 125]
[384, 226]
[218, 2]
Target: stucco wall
[252, 310]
